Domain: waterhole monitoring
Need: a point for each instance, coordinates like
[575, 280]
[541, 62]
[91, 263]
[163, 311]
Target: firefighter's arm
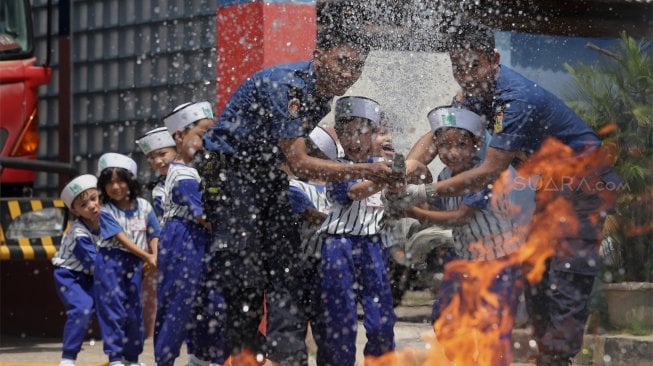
[478, 178]
[308, 167]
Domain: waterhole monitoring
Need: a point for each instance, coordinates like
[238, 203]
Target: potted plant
[616, 94]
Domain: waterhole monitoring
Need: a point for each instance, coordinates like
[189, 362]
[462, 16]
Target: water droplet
[607, 358]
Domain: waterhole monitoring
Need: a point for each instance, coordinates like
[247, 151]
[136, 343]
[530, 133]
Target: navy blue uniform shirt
[275, 103]
[523, 115]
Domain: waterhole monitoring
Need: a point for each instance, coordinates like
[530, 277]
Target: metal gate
[133, 61]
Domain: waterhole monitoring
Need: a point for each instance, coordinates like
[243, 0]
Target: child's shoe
[66, 362]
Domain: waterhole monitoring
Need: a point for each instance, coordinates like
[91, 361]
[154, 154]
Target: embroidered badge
[448, 120]
[208, 113]
[498, 120]
[75, 188]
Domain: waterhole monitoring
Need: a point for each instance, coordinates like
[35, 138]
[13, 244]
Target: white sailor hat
[76, 186]
[348, 107]
[115, 160]
[155, 139]
[187, 113]
[443, 117]
[323, 140]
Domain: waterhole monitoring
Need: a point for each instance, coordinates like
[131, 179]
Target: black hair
[471, 36]
[85, 194]
[341, 23]
[135, 187]
[184, 130]
[387, 119]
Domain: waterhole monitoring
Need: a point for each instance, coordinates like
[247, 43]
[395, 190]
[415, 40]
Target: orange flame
[608, 129]
[245, 358]
[470, 330]
[637, 225]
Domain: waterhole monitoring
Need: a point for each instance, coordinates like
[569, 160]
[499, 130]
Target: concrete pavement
[412, 327]
[16, 351]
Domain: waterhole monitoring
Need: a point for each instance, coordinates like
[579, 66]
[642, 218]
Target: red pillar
[254, 35]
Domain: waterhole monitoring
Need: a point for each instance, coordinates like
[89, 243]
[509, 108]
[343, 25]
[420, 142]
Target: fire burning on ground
[475, 328]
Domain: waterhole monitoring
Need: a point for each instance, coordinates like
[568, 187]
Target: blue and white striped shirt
[158, 197]
[492, 232]
[303, 196]
[139, 224]
[182, 197]
[348, 217]
[78, 248]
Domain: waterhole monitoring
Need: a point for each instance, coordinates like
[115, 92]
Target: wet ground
[412, 326]
[44, 351]
[411, 331]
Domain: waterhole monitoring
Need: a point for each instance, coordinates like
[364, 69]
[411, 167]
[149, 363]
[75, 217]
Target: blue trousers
[353, 270]
[558, 309]
[75, 289]
[557, 306]
[119, 305]
[189, 305]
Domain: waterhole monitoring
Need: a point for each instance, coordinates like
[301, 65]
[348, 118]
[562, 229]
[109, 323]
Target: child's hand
[396, 187]
[150, 261]
[417, 172]
[202, 220]
[381, 173]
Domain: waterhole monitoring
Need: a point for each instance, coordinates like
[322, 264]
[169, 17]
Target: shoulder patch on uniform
[498, 119]
[293, 107]
[294, 102]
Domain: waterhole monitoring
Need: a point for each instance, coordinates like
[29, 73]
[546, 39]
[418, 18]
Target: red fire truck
[20, 78]
[30, 228]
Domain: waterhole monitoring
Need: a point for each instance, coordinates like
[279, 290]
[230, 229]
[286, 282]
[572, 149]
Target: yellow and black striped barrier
[30, 229]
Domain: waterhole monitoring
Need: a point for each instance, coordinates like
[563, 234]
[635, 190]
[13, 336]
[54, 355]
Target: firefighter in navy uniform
[524, 115]
[255, 234]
